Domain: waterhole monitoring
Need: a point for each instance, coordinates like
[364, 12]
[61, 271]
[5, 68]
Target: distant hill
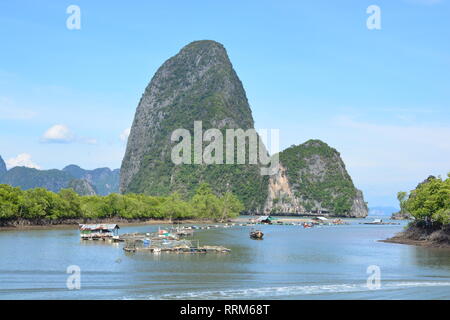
[102, 181]
[82, 187]
[28, 178]
[382, 211]
[2, 167]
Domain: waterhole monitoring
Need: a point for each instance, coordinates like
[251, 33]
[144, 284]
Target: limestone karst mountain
[197, 84]
[313, 178]
[200, 84]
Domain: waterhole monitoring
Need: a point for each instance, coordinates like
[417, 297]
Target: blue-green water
[328, 262]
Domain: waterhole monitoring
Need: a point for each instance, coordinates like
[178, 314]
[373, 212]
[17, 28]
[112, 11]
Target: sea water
[324, 262]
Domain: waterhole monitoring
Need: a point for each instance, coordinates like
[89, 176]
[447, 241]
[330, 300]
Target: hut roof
[102, 226]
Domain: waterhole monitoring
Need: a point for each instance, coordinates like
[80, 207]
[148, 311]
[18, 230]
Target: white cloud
[125, 134]
[58, 134]
[22, 160]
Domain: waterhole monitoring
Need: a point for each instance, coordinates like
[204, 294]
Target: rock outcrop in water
[401, 216]
[197, 84]
[313, 178]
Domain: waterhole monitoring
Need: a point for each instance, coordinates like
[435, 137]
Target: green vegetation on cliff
[318, 177]
[41, 205]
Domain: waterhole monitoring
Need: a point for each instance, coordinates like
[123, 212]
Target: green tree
[206, 204]
[174, 208]
[402, 197]
[42, 205]
[72, 203]
[430, 201]
[231, 206]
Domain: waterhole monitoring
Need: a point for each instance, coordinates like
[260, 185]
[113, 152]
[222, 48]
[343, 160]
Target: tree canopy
[41, 204]
[430, 201]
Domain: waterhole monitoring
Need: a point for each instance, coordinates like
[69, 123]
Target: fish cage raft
[170, 246]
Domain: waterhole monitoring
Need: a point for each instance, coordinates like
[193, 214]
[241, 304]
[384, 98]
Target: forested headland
[429, 205]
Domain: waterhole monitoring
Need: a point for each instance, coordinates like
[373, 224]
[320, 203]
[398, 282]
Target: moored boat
[256, 234]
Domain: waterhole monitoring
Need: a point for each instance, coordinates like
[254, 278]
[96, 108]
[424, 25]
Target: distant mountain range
[102, 181]
[382, 211]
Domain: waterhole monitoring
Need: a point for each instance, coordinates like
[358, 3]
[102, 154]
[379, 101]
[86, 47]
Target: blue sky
[310, 68]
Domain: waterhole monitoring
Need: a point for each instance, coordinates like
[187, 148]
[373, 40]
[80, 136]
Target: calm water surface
[328, 262]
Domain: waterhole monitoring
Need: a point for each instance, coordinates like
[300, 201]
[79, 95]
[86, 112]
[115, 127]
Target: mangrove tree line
[40, 204]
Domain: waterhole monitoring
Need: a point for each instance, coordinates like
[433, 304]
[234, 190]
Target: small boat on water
[256, 235]
[379, 222]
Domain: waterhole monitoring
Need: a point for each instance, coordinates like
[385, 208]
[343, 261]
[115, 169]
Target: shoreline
[75, 224]
[418, 235]
[23, 225]
[417, 243]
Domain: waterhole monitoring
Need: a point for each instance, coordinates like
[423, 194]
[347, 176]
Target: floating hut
[99, 231]
[264, 220]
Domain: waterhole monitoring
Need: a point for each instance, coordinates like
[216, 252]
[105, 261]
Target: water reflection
[437, 258]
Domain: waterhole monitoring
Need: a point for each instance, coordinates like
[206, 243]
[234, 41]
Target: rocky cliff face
[359, 206]
[280, 198]
[82, 187]
[2, 167]
[313, 178]
[197, 84]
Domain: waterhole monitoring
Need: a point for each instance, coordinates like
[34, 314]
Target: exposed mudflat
[426, 237]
